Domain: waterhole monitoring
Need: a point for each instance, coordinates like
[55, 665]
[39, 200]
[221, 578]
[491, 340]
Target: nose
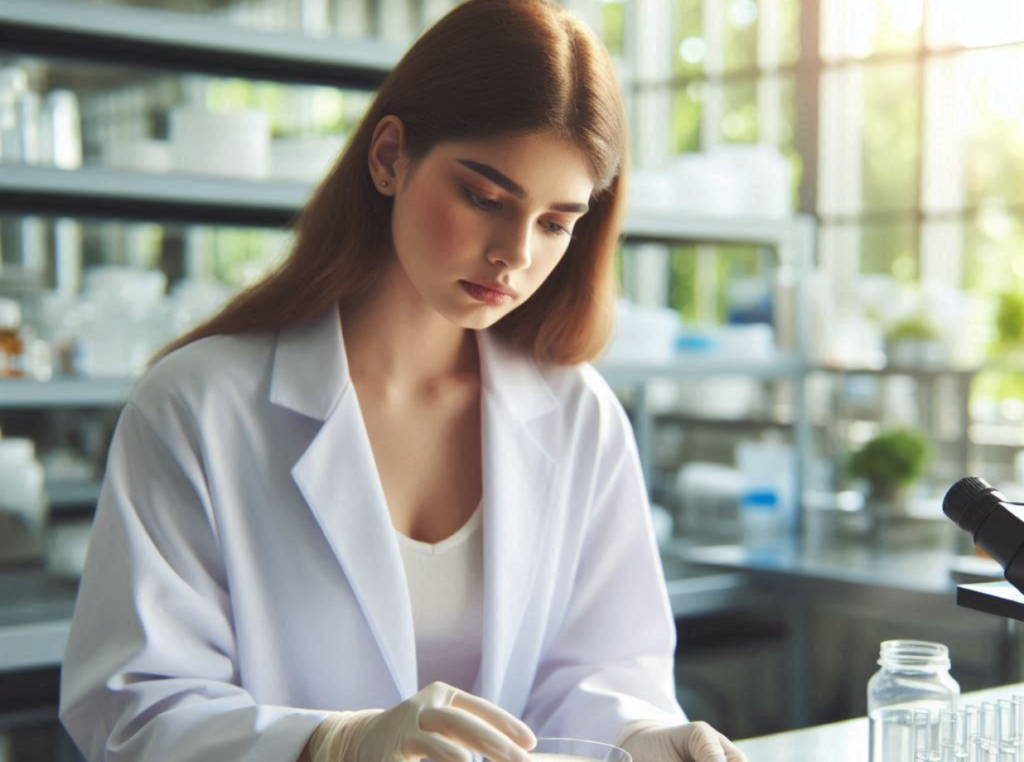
[513, 249]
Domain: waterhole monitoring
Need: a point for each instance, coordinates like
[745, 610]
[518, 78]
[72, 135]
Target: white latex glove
[650, 741]
[440, 722]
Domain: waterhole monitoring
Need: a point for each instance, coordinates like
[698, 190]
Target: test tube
[989, 730]
[971, 723]
[983, 751]
[1018, 716]
[1007, 729]
[947, 728]
[922, 732]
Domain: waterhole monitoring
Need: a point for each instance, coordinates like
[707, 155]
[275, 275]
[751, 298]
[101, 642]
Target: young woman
[380, 508]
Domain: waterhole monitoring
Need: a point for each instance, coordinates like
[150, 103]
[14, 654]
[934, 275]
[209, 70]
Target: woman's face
[478, 218]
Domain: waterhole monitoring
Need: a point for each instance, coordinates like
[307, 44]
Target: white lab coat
[243, 575]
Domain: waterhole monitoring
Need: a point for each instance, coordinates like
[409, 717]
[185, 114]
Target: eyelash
[479, 203]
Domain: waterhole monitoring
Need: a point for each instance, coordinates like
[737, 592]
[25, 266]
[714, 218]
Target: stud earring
[384, 184]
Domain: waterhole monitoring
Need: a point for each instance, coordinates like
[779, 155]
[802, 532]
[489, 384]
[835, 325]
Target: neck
[395, 339]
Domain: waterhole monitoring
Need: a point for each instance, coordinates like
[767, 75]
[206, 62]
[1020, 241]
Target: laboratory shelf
[72, 494]
[720, 423]
[35, 617]
[158, 38]
[686, 369]
[923, 371]
[64, 392]
[672, 227]
[109, 392]
[115, 193]
[105, 193]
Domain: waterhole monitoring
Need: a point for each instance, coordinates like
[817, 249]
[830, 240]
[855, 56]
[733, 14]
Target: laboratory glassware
[577, 750]
[914, 676]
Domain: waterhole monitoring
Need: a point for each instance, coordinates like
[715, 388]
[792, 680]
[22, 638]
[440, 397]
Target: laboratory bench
[835, 602]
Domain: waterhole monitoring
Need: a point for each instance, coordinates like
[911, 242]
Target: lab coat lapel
[518, 482]
[337, 476]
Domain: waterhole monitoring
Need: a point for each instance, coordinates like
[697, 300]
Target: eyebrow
[513, 187]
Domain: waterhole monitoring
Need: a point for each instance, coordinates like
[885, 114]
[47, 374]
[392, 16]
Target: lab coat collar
[337, 476]
[311, 373]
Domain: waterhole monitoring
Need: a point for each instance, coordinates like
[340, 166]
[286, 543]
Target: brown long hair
[487, 69]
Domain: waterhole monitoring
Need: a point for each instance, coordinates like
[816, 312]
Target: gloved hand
[652, 741]
[440, 722]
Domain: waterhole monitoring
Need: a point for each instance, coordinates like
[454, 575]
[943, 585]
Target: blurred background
[820, 327]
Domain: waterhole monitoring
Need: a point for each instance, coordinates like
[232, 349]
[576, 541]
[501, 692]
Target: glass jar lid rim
[914, 653]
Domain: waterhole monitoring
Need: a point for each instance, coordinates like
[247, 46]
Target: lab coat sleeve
[149, 670]
[611, 660]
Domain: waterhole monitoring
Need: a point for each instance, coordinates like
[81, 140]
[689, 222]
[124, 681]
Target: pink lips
[486, 295]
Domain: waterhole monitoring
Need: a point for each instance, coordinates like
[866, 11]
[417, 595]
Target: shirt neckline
[437, 548]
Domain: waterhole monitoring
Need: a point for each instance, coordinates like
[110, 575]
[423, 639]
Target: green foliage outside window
[330, 111]
[739, 120]
[690, 47]
[789, 31]
[686, 116]
[685, 287]
[239, 256]
[1010, 319]
[741, 34]
[889, 249]
[613, 26]
[892, 96]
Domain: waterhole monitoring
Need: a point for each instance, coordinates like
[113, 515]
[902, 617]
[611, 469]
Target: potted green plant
[915, 341]
[890, 463]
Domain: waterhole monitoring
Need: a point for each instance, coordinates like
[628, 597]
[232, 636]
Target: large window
[903, 121]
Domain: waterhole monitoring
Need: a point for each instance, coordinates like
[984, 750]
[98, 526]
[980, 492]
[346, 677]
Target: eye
[557, 229]
[488, 204]
[491, 205]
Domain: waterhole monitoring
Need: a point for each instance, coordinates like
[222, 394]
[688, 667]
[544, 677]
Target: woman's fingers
[732, 754]
[472, 732]
[703, 744]
[507, 723]
[435, 747]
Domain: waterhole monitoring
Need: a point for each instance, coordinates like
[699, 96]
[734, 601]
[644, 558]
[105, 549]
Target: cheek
[440, 225]
[544, 266]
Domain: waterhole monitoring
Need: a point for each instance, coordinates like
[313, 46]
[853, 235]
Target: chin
[479, 322]
[476, 320]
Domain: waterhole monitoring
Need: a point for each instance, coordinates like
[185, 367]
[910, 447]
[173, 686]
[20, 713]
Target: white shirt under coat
[243, 575]
[446, 591]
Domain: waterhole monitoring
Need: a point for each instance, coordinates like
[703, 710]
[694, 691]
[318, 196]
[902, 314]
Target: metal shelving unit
[793, 242]
[64, 392]
[162, 39]
[780, 368]
[105, 193]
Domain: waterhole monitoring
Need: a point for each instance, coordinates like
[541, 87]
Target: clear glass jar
[914, 676]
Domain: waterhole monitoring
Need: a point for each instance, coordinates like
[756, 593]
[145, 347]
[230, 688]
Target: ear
[387, 154]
